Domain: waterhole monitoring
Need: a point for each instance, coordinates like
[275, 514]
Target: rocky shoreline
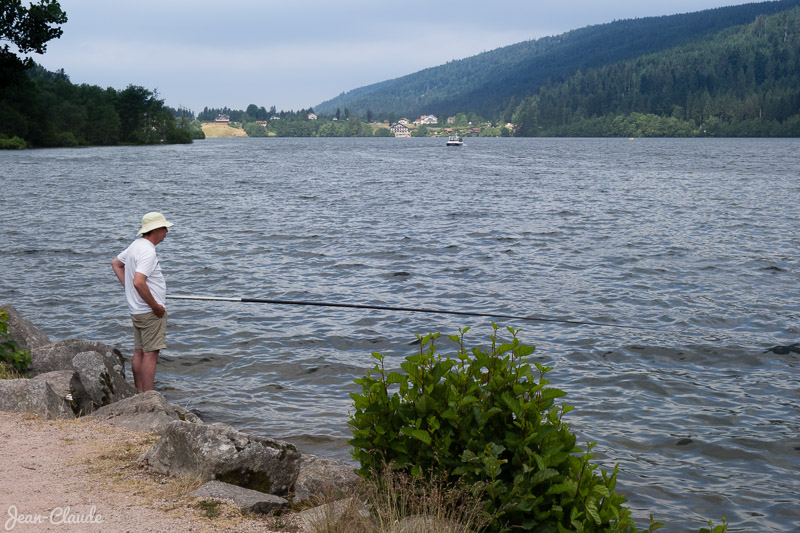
[77, 378]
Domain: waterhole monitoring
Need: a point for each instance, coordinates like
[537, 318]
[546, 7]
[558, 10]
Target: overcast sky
[297, 53]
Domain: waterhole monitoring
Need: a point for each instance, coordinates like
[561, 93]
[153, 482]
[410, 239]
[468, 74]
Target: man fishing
[138, 270]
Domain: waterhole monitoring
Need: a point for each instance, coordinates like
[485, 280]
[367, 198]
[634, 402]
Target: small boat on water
[455, 140]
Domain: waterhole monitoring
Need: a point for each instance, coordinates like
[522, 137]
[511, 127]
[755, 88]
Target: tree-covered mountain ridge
[494, 82]
[744, 81]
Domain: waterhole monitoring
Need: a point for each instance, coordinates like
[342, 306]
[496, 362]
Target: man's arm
[119, 269]
[140, 284]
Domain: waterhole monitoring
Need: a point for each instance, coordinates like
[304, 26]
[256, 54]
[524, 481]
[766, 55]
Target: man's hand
[140, 284]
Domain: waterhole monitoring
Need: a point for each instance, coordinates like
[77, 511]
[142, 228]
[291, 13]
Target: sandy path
[82, 476]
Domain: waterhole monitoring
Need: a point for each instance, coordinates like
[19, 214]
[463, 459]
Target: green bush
[486, 418]
[254, 129]
[383, 132]
[14, 143]
[10, 353]
[178, 136]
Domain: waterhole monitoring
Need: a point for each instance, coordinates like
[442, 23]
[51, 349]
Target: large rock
[103, 383]
[249, 501]
[58, 355]
[323, 478]
[68, 386]
[217, 451]
[25, 334]
[32, 396]
[148, 411]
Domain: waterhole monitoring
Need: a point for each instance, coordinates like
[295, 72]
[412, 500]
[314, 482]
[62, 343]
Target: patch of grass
[222, 130]
[117, 465]
[9, 372]
[390, 498]
[209, 508]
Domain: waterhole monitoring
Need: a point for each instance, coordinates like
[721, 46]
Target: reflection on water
[695, 240]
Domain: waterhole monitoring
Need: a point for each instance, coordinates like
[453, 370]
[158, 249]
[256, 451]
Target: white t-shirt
[140, 256]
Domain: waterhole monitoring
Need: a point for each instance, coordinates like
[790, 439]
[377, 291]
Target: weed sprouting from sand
[209, 508]
[391, 498]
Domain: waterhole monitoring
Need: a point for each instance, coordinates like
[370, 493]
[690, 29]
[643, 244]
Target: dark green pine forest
[731, 71]
[743, 82]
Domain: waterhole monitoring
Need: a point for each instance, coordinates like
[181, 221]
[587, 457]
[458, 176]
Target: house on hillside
[403, 121]
[428, 119]
[400, 130]
[312, 116]
[222, 119]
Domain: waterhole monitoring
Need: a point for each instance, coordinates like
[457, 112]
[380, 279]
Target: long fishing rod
[406, 309]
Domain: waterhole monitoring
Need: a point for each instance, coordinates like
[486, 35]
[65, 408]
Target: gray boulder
[32, 396]
[58, 355]
[217, 451]
[25, 334]
[249, 501]
[323, 478]
[103, 383]
[148, 411]
[68, 386]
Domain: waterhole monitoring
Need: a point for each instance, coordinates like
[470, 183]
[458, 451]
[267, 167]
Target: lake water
[696, 240]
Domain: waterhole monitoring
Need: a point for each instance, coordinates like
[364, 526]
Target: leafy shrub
[10, 353]
[486, 418]
[14, 143]
[254, 129]
[176, 135]
[383, 132]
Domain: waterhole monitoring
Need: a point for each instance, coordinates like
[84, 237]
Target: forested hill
[486, 83]
[743, 82]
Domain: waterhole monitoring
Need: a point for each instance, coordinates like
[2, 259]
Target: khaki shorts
[149, 332]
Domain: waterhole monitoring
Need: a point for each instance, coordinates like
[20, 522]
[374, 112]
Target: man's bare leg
[144, 369]
[136, 365]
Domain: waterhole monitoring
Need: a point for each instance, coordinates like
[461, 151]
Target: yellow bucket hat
[153, 220]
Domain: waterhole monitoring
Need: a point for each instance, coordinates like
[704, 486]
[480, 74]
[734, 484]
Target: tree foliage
[46, 109]
[29, 29]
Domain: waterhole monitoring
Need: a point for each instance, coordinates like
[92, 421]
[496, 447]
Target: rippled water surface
[695, 240]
